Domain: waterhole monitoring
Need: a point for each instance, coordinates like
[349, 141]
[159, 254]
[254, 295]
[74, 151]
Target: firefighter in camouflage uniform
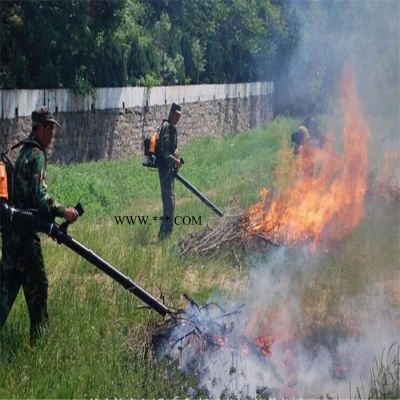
[168, 160]
[22, 259]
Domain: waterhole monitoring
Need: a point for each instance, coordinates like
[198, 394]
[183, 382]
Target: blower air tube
[30, 219]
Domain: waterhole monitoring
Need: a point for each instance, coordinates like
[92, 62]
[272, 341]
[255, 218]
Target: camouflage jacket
[30, 188]
[167, 144]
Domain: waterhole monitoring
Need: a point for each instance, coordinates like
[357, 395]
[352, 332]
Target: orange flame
[324, 193]
[264, 343]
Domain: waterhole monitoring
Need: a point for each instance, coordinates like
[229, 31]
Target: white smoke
[324, 359]
[363, 34]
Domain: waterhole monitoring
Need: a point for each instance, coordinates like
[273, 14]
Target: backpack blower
[150, 160]
[10, 216]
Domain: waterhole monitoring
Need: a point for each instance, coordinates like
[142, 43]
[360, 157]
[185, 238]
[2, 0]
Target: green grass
[384, 376]
[95, 346]
[221, 168]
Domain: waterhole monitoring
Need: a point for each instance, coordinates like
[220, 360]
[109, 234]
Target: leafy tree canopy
[89, 43]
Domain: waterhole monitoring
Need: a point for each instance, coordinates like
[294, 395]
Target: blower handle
[65, 224]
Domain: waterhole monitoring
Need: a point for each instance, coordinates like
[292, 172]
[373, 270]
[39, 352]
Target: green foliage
[55, 39]
[179, 64]
[87, 43]
[198, 59]
[150, 80]
[82, 86]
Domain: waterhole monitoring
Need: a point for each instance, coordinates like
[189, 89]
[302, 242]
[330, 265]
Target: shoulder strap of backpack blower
[21, 143]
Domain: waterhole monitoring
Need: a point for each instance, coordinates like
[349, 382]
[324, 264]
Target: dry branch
[228, 231]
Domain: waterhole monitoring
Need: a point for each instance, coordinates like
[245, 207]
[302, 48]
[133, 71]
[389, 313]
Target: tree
[91, 43]
[161, 34]
[198, 59]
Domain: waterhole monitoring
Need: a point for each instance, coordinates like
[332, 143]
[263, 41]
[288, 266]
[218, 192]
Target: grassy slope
[95, 347]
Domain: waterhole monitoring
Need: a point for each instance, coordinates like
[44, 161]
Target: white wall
[108, 98]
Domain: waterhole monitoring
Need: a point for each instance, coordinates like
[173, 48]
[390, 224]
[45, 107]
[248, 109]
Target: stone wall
[118, 133]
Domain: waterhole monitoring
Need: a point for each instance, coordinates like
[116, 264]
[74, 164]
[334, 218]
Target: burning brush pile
[219, 347]
[318, 197]
[271, 342]
[269, 348]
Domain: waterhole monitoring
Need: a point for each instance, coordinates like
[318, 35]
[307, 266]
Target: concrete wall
[113, 123]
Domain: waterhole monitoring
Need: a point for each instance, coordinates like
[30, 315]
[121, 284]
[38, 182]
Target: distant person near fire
[307, 132]
[306, 139]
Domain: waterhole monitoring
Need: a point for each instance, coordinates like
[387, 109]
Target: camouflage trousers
[168, 201]
[22, 265]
